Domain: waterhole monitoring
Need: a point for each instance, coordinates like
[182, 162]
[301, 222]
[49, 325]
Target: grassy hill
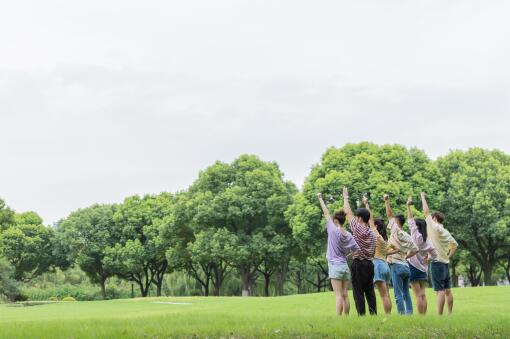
[478, 312]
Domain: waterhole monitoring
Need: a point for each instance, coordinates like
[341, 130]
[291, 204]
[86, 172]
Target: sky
[100, 100]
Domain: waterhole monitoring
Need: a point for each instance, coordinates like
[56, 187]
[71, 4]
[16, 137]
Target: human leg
[405, 289]
[337, 288]
[357, 290]
[397, 287]
[383, 292]
[345, 296]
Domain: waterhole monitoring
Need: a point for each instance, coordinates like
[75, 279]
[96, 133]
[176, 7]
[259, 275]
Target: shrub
[53, 299]
[68, 299]
[20, 297]
[195, 293]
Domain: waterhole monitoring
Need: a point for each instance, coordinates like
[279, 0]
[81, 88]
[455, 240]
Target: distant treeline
[242, 222]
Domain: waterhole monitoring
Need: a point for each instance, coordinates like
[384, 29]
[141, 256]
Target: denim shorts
[381, 271]
[339, 271]
[440, 276]
[416, 274]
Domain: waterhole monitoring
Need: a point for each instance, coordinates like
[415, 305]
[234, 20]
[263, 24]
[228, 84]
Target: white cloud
[103, 99]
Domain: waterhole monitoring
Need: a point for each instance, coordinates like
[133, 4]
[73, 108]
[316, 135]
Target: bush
[195, 293]
[9, 288]
[20, 297]
[53, 299]
[68, 299]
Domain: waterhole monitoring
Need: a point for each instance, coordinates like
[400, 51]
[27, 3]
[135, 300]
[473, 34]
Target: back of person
[440, 238]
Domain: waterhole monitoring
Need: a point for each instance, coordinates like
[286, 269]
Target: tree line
[242, 218]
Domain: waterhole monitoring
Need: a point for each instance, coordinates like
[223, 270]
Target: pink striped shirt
[424, 248]
[365, 239]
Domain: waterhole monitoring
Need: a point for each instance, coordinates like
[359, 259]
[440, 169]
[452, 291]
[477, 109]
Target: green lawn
[478, 312]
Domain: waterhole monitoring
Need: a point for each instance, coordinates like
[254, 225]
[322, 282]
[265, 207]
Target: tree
[477, 204]
[245, 198]
[505, 264]
[8, 285]
[87, 233]
[274, 251]
[6, 216]
[213, 250]
[27, 246]
[140, 255]
[365, 168]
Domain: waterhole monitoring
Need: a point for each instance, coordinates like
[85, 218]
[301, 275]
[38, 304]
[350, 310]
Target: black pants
[363, 285]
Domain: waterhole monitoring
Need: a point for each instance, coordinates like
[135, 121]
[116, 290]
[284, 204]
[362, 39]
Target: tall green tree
[6, 216]
[365, 168]
[246, 198]
[477, 204]
[87, 233]
[141, 253]
[9, 287]
[27, 246]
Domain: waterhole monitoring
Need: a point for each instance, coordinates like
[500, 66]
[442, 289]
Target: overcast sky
[104, 99]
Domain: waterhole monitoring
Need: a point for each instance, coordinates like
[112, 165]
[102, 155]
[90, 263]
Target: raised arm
[426, 210]
[347, 207]
[371, 220]
[389, 211]
[409, 205]
[325, 209]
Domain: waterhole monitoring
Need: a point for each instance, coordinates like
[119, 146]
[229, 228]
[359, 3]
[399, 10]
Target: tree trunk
[159, 284]
[280, 279]
[455, 277]
[102, 282]
[159, 276]
[267, 280]
[206, 286]
[217, 277]
[487, 275]
[246, 282]
[319, 282]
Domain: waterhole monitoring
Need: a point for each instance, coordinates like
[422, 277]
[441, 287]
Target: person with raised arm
[340, 244]
[382, 273]
[362, 266]
[399, 267]
[445, 246]
[418, 264]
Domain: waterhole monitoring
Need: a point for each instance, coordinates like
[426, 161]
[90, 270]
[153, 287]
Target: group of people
[388, 253]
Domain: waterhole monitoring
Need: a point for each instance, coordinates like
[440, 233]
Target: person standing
[399, 267]
[362, 266]
[340, 244]
[418, 264]
[445, 246]
[382, 274]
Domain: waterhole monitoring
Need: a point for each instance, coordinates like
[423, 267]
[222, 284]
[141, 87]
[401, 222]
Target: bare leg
[385, 297]
[337, 287]
[419, 293]
[424, 298]
[440, 302]
[449, 300]
[346, 303]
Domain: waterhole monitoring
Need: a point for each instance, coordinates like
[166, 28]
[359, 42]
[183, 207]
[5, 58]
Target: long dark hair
[381, 228]
[422, 228]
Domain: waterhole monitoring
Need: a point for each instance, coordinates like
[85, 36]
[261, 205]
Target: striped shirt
[365, 239]
[403, 241]
[425, 248]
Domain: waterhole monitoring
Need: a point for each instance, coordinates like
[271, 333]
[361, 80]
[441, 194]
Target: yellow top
[381, 247]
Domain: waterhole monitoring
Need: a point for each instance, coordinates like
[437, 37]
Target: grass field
[478, 313]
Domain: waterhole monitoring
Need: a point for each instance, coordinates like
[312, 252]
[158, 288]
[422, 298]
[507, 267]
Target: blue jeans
[400, 280]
